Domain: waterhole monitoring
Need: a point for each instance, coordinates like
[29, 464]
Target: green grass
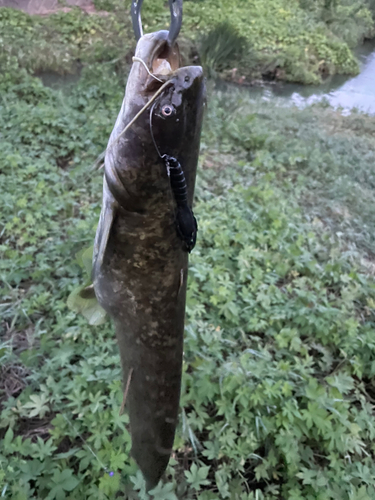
[277, 399]
[292, 41]
[221, 49]
[323, 160]
[61, 41]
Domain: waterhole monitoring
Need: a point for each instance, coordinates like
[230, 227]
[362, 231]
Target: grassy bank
[278, 39]
[277, 399]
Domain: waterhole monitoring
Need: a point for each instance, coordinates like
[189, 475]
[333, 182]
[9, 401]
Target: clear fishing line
[147, 105]
[110, 473]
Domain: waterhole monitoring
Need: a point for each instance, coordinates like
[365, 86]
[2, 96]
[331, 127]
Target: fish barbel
[140, 261]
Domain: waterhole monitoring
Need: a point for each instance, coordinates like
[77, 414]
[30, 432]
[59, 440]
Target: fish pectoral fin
[88, 292]
[103, 232]
[82, 300]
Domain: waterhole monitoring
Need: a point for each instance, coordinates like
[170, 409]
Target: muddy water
[339, 90]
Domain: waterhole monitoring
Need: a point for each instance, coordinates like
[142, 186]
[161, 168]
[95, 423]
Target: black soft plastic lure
[185, 221]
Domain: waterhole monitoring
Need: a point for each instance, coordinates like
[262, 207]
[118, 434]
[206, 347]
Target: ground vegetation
[242, 40]
[278, 393]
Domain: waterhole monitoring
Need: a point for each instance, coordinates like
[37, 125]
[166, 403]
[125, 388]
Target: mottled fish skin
[139, 264]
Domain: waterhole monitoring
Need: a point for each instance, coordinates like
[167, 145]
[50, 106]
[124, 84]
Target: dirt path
[45, 7]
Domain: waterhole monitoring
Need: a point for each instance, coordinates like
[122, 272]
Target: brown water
[339, 90]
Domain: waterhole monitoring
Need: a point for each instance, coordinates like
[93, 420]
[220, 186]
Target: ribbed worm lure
[186, 223]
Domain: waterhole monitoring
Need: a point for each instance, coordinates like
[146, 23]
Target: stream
[338, 90]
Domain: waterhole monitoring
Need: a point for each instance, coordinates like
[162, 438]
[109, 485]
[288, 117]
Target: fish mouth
[160, 59]
[165, 60]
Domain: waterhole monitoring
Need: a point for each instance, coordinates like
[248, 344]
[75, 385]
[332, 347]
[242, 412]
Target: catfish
[140, 259]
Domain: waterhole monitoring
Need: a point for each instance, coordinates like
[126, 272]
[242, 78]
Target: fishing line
[138, 59]
[161, 156]
[152, 133]
[153, 98]
[126, 391]
[89, 447]
[170, 190]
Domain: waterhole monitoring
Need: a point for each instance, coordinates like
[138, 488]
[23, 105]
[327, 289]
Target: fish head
[164, 105]
[180, 102]
[176, 110]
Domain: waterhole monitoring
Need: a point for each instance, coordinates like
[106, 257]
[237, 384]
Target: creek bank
[284, 40]
[339, 91]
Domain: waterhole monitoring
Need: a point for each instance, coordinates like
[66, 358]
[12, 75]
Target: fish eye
[167, 110]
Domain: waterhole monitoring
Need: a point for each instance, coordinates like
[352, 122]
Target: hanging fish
[145, 232]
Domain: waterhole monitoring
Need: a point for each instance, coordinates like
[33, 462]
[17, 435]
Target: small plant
[221, 48]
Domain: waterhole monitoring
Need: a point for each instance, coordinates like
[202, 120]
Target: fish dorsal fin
[113, 183]
[107, 215]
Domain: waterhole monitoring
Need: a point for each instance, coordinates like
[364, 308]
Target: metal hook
[175, 7]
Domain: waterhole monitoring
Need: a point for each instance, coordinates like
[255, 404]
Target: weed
[277, 398]
[278, 38]
[221, 49]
